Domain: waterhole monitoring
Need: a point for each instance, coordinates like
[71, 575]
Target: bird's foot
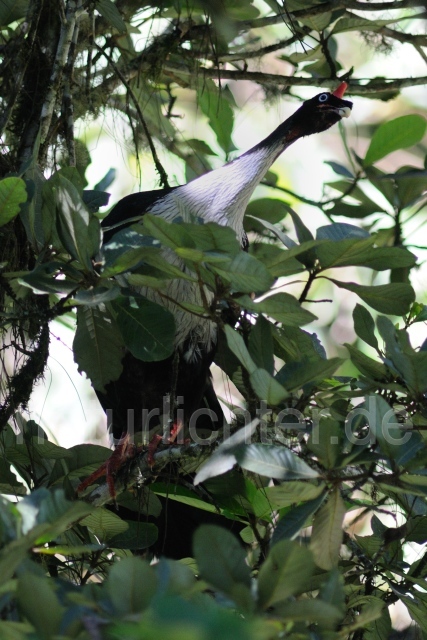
[124, 451]
[166, 439]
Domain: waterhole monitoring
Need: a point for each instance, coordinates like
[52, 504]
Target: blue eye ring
[323, 97]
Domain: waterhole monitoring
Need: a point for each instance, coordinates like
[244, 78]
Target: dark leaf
[147, 328]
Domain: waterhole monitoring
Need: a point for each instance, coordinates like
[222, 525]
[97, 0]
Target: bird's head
[321, 112]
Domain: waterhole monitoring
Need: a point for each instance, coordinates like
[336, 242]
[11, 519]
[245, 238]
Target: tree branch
[140, 470]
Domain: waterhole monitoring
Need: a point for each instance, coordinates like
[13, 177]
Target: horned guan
[220, 196]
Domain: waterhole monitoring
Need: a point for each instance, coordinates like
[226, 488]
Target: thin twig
[159, 167]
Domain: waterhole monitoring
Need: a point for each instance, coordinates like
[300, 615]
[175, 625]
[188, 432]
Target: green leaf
[357, 23]
[147, 328]
[318, 21]
[394, 299]
[98, 346]
[295, 519]
[317, 612]
[78, 230]
[326, 537]
[339, 169]
[81, 461]
[296, 374]
[400, 133]
[384, 425]
[44, 279]
[332, 591]
[138, 535]
[366, 365]
[325, 441]
[12, 10]
[292, 492]
[261, 345]
[339, 231]
[9, 484]
[273, 462]
[40, 604]
[109, 11]
[215, 104]
[411, 364]
[238, 347]
[270, 209]
[280, 306]
[104, 524]
[95, 296]
[356, 252]
[287, 570]
[131, 585]
[13, 193]
[222, 563]
[267, 388]
[245, 273]
[224, 459]
[303, 233]
[364, 325]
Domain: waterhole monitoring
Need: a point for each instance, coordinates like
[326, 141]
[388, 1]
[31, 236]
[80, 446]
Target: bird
[220, 196]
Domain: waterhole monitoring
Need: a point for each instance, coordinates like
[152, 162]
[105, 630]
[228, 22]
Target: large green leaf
[222, 563]
[361, 253]
[366, 365]
[147, 328]
[399, 133]
[394, 299]
[216, 105]
[327, 532]
[269, 209]
[261, 345]
[131, 584]
[287, 570]
[98, 345]
[40, 604]
[325, 442]
[78, 230]
[364, 325]
[81, 461]
[245, 273]
[46, 278]
[296, 374]
[105, 524]
[273, 462]
[263, 383]
[11, 10]
[280, 306]
[267, 388]
[292, 492]
[13, 193]
[411, 364]
[110, 12]
[295, 519]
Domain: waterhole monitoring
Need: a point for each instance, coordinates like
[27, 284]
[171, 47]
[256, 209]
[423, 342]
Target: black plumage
[220, 196]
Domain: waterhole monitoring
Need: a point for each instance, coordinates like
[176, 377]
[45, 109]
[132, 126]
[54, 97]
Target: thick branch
[373, 86]
[62, 52]
[140, 472]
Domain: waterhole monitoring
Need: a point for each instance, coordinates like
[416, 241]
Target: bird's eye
[323, 97]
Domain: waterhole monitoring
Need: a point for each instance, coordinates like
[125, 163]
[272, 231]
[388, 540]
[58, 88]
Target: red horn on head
[339, 93]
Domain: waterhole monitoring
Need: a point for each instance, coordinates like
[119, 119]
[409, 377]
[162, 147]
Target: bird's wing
[127, 209]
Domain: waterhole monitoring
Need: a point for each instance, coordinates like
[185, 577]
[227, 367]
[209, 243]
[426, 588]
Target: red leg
[124, 451]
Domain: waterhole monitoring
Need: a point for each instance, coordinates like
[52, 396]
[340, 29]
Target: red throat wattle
[339, 93]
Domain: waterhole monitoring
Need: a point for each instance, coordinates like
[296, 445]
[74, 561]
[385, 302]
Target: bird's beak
[344, 112]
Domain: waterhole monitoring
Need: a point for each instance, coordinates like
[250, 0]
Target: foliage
[328, 443]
